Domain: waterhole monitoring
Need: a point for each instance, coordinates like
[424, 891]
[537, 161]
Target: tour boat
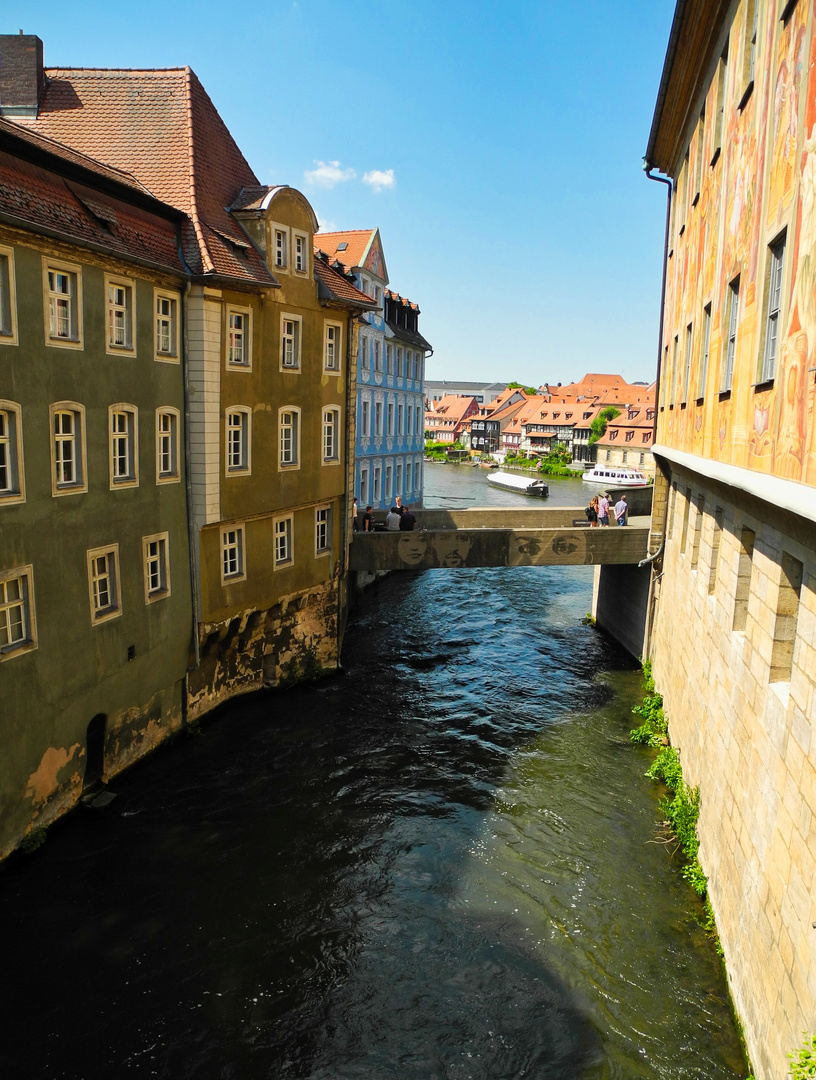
[609, 476]
[524, 485]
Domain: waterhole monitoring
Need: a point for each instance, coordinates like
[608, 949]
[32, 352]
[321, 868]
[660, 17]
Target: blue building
[390, 377]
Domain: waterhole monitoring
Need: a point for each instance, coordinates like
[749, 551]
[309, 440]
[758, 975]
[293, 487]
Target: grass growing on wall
[681, 807]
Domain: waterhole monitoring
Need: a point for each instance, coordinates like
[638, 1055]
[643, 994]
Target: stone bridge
[506, 536]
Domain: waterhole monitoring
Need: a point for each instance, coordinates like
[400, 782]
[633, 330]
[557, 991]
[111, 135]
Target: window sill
[725, 395]
[761, 387]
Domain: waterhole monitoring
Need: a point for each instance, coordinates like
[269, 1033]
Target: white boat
[524, 485]
[609, 476]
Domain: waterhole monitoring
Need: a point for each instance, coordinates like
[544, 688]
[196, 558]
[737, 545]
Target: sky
[497, 146]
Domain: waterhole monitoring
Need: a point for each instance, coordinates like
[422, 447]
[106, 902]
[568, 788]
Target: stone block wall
[734, 655]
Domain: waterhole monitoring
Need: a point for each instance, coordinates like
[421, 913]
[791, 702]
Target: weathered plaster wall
[746, 741]
[297, 638]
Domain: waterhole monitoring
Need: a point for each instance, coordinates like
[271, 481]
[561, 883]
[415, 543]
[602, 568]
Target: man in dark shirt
[368, 520]
[407, 521]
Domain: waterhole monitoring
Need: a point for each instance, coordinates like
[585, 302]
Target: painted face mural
[452, 548]
[412, 548]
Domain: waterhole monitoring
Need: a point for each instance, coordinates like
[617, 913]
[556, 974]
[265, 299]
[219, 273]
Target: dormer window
[613, 435]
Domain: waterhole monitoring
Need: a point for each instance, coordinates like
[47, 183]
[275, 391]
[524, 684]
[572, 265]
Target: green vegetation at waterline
[681, 807]
[803, 1060]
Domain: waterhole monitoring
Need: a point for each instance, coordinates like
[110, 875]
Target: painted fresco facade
[733, 612]
[390, 377]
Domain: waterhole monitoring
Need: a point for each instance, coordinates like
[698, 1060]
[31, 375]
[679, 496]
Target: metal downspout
[650, 602]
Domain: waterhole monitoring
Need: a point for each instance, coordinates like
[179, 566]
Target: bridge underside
[470, 538]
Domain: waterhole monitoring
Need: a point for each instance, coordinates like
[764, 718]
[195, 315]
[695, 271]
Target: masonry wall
[620, 599]
[741, 703]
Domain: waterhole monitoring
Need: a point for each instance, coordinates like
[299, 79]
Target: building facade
[733, 637]
[177, 416]
[96, 625]
[390, 375]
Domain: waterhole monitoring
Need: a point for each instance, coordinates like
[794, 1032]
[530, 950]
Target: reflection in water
[435, 867]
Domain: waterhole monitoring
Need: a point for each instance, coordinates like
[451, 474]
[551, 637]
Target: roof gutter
[661, 180]
[668, 64]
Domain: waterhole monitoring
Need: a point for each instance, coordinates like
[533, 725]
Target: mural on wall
[764, 182]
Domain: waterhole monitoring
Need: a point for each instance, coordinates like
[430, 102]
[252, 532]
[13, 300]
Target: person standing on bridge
[407, 521]
[603, 510]
[392, 521]
[592, 512]
[621, 510]
[368, 520]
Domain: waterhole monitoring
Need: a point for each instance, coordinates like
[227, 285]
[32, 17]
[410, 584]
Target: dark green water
[438, 866]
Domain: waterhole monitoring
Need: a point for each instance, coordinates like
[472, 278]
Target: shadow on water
[400, 873]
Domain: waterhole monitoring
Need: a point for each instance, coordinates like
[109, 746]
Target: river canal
[440, 866]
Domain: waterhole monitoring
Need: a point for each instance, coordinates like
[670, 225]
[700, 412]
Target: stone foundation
[734, 655]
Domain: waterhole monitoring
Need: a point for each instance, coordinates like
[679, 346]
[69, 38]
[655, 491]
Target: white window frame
[323, 530]
[173, 475]
[75, 339]
[245, 332]
[773, 304]
[398, 471]
[332, 347]
[117, 438]
[331, 435]
[237, 465]
[23, 576]
[156, 563]
[280, 231]
[409, 477]
[284, 541]
[11, 454]
[378, 419]
[703, 375]
[233, 539]
[300, 258]
[365, 418]
[170, 320]
[732, 324]
[291, 330]
[100, 612]
[127, 308]
[8, 297]
[389, 481]
[289, 454]
[400, 418]
[389, 419]
[80, 482]
[365, 493]
[365, 359]
[377, 493]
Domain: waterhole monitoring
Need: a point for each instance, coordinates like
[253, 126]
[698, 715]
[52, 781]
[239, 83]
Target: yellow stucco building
[733, 614]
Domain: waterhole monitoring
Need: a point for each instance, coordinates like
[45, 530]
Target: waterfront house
[96, 619]
[445, 418]
[628, 440]
[390, 374]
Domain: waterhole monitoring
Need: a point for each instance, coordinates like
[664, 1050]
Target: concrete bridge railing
[504, 536]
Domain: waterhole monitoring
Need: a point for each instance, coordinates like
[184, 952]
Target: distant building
[435, 390]
[628, 440]
[445, 419]
[390, 373]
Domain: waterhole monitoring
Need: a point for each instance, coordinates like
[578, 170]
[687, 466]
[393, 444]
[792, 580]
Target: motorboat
[523, 485]
[610, 476]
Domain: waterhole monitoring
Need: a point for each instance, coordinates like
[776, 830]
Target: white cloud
[380, 179]
[327, 174]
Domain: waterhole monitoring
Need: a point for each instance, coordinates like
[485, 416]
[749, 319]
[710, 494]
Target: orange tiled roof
[339, 286]
[162, 127]
[391, 295]
[356, 241]
[451, 407]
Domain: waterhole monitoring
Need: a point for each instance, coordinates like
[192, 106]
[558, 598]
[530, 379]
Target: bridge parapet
[454, 546]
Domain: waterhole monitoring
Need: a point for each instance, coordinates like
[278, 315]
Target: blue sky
[496, 145]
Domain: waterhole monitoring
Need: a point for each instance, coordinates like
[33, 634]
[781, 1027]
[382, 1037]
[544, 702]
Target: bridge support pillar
[620, 600]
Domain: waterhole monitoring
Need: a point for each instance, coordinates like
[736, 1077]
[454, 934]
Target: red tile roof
[356, 241]
[162, 127]
[339, 286]
[44, 200]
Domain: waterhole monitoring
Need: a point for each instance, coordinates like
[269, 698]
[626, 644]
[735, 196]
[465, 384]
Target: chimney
[21, 74]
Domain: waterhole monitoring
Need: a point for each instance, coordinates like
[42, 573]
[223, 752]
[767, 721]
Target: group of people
[398, 519]
[598, 511]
